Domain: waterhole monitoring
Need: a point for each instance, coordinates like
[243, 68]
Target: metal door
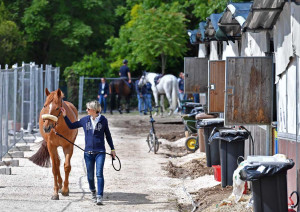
[249, 90]
[195, 75]
[216, 86]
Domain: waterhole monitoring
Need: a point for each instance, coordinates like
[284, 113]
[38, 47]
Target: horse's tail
[174, 93]
[41, 157]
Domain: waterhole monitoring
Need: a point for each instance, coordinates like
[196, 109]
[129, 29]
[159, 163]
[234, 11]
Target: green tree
[150, 34]
[159, 32]
[11, 41]
[60, 32]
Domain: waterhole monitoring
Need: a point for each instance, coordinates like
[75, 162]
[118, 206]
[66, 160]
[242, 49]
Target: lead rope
[89, 152]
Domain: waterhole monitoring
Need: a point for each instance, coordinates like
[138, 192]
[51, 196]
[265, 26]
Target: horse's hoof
[55, 197]
[65, 193]
[127, 111]
[120, 111]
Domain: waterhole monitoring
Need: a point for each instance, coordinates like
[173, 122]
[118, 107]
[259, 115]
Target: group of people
[103, 90]
[144, 94]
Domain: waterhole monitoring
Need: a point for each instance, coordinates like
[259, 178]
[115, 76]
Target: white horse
[168, 85]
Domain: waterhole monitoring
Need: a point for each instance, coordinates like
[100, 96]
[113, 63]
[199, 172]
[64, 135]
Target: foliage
[90, 66]
[149, 35]
[60, 32]
[11, 41]
[204, 8]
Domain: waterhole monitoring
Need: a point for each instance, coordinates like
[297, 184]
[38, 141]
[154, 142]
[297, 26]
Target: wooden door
[195, 75]
[249, 90]
[216, 86]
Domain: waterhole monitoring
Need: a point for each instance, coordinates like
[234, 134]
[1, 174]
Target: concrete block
[14, 155]
[20, 148]
[10, 163]
[5, 170]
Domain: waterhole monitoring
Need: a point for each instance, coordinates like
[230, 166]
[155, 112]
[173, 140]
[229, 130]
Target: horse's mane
[52, 97]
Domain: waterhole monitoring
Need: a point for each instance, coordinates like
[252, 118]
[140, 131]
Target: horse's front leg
[55, 170]
[119, 104]
[155, 95]
[162, 105]
[68, 151]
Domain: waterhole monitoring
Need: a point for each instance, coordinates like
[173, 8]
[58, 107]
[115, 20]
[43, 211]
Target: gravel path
[142, 185]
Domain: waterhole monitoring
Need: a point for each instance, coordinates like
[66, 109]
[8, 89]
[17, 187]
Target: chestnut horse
[52, 121]
[121, 88]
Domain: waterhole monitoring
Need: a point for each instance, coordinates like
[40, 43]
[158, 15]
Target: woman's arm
[71, 125]
[109, 140]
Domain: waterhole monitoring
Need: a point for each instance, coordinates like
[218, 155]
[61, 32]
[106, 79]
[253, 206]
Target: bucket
[217, 172]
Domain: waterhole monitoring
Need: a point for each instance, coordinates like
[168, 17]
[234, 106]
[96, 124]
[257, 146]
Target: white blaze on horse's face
[50, 108]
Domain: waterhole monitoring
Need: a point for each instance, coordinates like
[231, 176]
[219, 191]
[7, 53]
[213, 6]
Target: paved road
[140, 186]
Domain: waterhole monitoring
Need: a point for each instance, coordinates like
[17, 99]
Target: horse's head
[142, 80]
[52, 109]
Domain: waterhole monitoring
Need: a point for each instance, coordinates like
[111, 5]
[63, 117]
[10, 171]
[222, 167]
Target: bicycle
[151, 138]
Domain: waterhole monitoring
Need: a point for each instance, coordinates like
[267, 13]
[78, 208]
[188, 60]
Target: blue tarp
[233, 19]
[198, 35]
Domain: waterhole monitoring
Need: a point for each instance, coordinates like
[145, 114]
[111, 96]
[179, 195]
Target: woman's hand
[113, 154]
[64, 112]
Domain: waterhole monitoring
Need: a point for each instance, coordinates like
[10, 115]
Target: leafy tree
[90, 66]
[150, 34]
[158, 32]
[60, 32]
[11, 41]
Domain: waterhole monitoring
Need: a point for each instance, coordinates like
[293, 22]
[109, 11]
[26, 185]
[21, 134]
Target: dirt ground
[170, 130]
[167, 181]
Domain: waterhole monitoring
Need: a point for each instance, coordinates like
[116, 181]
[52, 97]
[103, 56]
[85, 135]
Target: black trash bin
[232, 143]
[269, 184]
[211, 150]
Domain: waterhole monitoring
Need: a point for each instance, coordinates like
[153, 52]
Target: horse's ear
[59, 92]
[47, 92]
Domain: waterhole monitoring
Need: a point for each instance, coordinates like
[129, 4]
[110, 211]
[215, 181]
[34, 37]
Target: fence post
[6, 110]
[36, 89]
[15, 98]
[81, 81]
[22, 95]
[1, 103]
[31, 98]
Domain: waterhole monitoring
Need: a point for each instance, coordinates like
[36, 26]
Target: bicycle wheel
[155, 144]
[191, 144]
[150, 141]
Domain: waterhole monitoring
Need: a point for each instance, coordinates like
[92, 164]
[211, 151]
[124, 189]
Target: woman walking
[95, 126]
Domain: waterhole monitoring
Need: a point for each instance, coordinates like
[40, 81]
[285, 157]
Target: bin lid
[229, 135]
[256, 170]
[210, 122]
[233, 132]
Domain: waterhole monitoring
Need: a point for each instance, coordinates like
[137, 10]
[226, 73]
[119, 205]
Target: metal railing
[21, 98]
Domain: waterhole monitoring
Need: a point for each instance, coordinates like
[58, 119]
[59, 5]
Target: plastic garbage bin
[211, 150]
[232, 143]
[200, 130]
[269, 183]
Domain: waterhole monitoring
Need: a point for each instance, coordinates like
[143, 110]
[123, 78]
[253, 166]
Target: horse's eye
[57, 108]
[44, 106]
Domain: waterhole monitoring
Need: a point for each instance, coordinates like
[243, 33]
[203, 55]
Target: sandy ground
[147, 182]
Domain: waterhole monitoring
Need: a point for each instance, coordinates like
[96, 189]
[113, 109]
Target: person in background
[95, 126]
[125, 72]
[103, 92]
[148, 96]
[140, 97]
[182, 96]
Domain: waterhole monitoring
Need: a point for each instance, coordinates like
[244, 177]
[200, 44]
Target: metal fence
[88, 90]
[21, 98]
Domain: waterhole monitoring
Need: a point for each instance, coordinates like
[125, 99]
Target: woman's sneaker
[94, 197]
[99, 200]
